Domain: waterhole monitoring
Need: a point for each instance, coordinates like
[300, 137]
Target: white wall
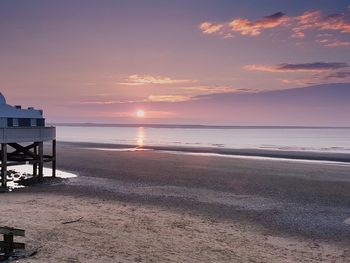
[7, 111]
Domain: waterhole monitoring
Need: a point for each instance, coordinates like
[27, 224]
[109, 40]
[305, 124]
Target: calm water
[330, 139]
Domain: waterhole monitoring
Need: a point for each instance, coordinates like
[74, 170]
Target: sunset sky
[175, 61]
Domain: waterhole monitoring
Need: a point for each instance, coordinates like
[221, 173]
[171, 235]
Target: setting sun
[140, 113]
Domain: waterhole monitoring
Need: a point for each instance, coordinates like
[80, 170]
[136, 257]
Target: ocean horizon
[193, 126]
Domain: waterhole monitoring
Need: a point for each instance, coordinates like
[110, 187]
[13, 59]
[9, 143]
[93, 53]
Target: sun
[140, 113]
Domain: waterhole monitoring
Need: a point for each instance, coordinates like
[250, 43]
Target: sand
[160, 207]
[112, 231]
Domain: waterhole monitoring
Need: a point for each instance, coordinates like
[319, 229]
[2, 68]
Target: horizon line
[194, 126]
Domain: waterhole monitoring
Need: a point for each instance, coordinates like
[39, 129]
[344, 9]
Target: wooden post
[8, 239]
[35, 165]
[7, 245]
[41, 160]
[4, 165]
[54, 158]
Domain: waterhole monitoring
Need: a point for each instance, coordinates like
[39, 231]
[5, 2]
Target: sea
[322, 139]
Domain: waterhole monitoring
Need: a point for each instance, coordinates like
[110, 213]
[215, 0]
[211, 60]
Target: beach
[160, 206]
[194, 131]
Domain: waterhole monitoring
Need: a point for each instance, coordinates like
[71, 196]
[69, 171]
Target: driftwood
[73, 221]
[33, 253]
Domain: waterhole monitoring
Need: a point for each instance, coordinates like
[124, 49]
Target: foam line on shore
[262, 158]
[262, 154]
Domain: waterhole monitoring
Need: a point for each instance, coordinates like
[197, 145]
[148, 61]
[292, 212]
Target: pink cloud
[320, 78]
[210, 28]
[299, 25]
[135, 80]
[149, 114]
[303, 67]
[313, 20]
[334, 43]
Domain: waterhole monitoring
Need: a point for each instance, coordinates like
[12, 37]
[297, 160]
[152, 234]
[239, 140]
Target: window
[41, 122]
[33, 122]
[15, 122]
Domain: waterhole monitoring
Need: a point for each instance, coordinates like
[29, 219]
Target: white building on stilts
[22, 136]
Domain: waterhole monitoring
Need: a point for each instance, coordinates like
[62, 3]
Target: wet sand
[149, 206]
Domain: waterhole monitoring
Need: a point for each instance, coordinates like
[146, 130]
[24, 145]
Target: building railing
[27, 134]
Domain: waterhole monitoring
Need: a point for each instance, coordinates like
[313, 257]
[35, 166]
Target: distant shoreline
[265, 153]
[189, 126]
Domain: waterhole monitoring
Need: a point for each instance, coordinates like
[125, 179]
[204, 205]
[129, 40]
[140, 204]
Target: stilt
[35, 164]
[4, 165]
[41, 160]
[54, 158]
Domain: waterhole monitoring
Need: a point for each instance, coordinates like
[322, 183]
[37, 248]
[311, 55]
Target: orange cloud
[244, 26]
[134, 80]
[168, 98]
[193, 93]
[254, 28]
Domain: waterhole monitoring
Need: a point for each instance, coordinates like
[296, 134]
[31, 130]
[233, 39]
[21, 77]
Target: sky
[174, 61]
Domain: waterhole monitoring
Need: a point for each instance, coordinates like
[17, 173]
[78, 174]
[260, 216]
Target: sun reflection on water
[140, 137]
